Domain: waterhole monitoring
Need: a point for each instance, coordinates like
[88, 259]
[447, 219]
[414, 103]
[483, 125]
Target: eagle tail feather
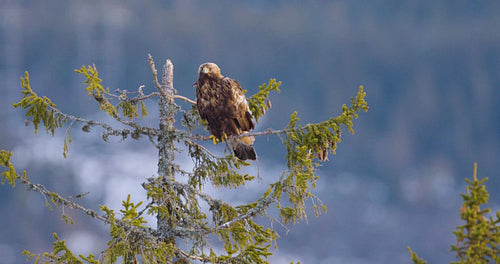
[243, 151]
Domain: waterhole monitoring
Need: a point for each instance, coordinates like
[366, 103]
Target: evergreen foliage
[10, 174]
[178, 204]
[479, 237]
[39, 109]
[259, 103]
[96, 90]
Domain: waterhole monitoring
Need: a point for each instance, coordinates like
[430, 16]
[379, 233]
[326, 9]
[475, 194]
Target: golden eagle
[222, 103]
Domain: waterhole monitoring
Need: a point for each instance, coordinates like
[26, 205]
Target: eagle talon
[215, 139]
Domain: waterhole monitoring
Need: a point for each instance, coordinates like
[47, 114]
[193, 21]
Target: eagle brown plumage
[222, 103]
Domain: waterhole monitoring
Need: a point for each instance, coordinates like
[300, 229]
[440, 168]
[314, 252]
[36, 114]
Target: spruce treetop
[178, 205]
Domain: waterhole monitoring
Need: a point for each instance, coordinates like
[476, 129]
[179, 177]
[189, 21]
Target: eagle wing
[237, 105]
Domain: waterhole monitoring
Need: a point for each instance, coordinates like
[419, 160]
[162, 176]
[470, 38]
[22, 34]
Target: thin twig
[201, 147]
[185, 254]
[155, 72]
[268, 131]
[109, 130]
[151, 95]
[259, 207]
[59, 200]
[144, 97]
[184, 98]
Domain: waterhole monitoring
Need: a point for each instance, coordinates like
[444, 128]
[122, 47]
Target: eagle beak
[205, 70]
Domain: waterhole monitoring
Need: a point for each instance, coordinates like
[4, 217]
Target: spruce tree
[177, 204]
[479, 237]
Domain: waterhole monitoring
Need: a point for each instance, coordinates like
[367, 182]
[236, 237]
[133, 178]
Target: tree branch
[268, 131]
[259, 207]
[59, 200]
[155, 74]
[184, 98]
[109, 130]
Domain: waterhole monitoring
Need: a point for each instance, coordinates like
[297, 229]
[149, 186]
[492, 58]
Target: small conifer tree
[177, 204]
[479, 237]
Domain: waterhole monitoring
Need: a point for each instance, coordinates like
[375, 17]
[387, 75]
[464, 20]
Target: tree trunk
[166, 168]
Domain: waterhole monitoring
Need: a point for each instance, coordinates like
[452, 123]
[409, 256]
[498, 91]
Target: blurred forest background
[431, 70]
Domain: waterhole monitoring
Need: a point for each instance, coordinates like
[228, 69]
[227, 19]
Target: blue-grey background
[431, 70]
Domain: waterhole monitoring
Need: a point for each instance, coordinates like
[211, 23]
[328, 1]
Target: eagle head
[209, 69]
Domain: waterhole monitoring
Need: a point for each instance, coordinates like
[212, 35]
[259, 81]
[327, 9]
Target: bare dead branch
[155, 72]
[184, 98]
[59, 200]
